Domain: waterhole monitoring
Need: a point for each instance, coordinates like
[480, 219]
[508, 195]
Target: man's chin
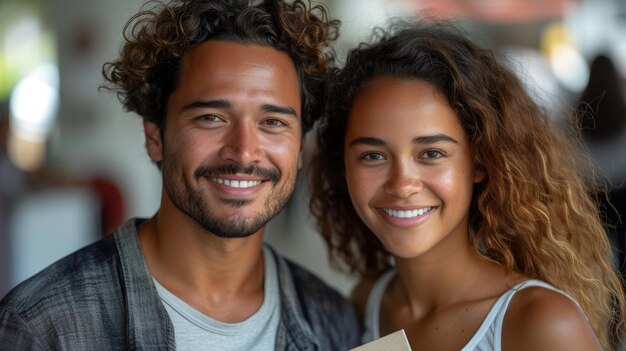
[233, 228]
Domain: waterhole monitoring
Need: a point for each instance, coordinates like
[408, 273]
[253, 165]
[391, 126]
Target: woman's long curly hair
[157, 39]
[533, 214]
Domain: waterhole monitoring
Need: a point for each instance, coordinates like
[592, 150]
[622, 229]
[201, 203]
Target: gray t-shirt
[194, 330]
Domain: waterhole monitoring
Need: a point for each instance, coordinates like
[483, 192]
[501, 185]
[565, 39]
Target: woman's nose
[403, 181]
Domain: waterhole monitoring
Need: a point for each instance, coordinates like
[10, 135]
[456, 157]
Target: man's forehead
[227, 54]
[236, 73]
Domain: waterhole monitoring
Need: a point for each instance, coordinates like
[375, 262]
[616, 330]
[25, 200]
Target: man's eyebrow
[287, 110]
[219, 103]
[425, 140]
[433, 139]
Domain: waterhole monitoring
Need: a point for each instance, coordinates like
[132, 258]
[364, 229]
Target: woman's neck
[442, 277]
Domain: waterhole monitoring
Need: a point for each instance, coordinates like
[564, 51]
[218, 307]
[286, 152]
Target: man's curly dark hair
[157, 39]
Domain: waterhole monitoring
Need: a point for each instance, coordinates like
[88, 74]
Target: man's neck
[221, 277]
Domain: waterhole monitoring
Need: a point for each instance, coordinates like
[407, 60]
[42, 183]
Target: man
[226, 90]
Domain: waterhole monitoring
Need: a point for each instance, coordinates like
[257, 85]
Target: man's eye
[274, 123]
[209, 118]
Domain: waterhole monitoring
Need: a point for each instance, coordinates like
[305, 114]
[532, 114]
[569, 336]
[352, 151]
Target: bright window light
[569, 67]
[33, 108]
[34, 101]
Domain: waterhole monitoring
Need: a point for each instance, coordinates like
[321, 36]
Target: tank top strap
[489, 334]
[488, 337]
[372, 307]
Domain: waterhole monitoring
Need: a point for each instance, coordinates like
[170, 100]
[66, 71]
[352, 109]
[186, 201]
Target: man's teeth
[237, 183]
[406, 214]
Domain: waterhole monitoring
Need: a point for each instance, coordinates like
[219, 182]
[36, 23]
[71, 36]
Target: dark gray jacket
[102, 298]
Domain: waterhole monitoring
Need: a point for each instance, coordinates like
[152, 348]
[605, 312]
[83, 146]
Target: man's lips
[233, 183]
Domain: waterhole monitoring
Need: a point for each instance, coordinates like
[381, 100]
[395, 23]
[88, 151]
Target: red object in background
[112, 208]
[495, 10]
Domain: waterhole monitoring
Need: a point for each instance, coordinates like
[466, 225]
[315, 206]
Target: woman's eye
[372, 156]
[432, 154]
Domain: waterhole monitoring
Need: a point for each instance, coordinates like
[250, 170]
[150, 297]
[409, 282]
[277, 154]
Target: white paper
[395, 341]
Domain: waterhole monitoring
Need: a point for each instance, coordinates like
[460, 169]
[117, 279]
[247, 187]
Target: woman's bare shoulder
[541, 319]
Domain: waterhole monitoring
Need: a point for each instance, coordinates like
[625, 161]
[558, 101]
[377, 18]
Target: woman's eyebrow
[433, 139]
[421, 140]
[367, 141]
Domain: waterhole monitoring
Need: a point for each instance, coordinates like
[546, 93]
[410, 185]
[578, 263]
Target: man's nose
[242, 144]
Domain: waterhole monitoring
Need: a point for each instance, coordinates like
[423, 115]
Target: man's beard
[194, 205]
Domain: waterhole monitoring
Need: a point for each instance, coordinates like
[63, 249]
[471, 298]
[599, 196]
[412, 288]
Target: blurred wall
[94, 136]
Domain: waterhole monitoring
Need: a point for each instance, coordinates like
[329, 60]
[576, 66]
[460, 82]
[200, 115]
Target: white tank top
[489, 334]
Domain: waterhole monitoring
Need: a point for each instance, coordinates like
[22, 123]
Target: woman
[459, 204]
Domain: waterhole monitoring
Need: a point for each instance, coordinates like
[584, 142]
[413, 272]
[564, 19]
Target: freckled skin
[408, 175]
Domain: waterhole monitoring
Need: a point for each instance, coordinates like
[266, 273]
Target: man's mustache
[206, 171]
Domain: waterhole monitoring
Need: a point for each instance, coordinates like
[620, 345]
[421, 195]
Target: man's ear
[154, 144]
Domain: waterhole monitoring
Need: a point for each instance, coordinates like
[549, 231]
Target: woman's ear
[479, 174]
[154, 144]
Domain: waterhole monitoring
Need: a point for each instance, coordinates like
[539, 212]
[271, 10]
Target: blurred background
[73, 164]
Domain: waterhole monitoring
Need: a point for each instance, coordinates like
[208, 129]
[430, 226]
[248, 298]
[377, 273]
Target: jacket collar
[149, 325]
[294, 332]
